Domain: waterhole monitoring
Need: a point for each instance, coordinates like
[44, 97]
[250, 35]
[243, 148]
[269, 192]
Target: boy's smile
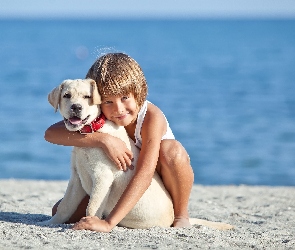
[121, 117]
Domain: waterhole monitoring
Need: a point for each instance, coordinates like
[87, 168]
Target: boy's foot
[181, 222]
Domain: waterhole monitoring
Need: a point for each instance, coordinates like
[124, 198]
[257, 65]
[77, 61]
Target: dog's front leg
[100, 193]
[68, 205]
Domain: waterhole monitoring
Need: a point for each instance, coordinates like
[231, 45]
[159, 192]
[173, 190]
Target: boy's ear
[54, 96]
[96, 98]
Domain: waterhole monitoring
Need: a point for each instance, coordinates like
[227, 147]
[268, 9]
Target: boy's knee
[173, 153]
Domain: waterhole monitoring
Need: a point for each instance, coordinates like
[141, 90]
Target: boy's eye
[125, 97]
[67, 95]
[107, 102]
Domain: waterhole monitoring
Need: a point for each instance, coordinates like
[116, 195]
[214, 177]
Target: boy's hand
[117, 151]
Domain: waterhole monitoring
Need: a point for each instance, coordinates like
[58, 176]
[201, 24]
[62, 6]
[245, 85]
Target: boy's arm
[152, 131]
[120, 154]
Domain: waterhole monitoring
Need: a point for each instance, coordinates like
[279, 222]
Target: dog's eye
[67, 95]
[87, 96]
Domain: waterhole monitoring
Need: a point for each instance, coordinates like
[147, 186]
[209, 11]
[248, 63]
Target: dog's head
[78, 102]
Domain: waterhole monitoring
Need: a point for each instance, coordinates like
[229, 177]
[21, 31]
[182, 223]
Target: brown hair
[119, 74]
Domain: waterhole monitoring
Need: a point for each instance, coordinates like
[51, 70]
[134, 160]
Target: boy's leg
[78, 214]
[178, 177]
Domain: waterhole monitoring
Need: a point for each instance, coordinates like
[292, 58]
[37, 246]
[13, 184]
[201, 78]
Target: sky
[147, 9]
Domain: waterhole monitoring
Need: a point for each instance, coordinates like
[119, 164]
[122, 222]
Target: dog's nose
[76, 107]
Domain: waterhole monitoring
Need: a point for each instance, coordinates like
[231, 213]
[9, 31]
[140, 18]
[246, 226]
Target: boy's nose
[119, 108]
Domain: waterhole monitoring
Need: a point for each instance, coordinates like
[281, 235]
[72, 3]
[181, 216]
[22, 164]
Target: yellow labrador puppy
[92, 171]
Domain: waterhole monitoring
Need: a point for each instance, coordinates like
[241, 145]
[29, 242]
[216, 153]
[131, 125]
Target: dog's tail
[210, 224]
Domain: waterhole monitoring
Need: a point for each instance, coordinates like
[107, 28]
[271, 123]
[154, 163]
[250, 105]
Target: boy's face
[122, 110]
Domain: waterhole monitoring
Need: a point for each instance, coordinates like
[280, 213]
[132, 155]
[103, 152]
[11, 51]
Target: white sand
[264, 218]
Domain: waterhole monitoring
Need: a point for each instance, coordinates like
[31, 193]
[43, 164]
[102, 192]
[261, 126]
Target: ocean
[226, 86]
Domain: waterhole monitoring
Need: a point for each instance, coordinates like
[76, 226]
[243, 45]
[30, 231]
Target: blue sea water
[226, 86]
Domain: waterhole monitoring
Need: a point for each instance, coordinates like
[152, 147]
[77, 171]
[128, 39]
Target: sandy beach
[263, 218]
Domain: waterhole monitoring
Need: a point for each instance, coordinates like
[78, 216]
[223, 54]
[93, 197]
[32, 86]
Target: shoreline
[262, 216]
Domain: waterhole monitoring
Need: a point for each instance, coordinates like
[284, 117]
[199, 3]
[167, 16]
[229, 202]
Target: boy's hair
[119, 74]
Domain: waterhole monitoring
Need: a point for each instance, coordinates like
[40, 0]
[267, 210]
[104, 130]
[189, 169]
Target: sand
[263, 218]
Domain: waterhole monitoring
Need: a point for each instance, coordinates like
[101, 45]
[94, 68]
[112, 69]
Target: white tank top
[140, 119]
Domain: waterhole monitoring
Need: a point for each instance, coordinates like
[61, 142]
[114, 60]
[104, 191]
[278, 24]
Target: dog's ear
[96, 99]
[54, 96]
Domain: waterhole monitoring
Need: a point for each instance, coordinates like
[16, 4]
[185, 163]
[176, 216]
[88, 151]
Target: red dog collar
[94, 125]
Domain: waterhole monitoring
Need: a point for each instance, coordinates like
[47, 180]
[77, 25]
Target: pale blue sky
[147, 8]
